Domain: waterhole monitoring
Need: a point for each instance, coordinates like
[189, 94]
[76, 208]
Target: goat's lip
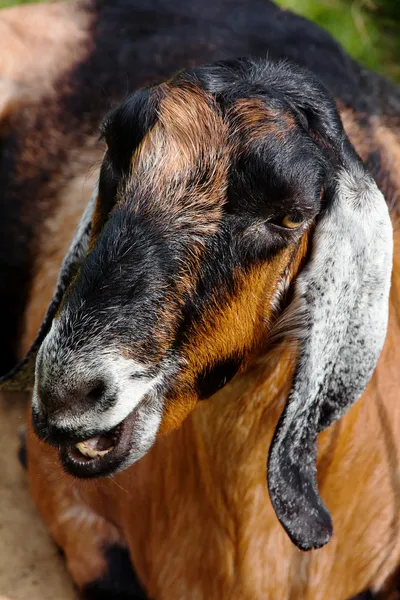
[102, 463]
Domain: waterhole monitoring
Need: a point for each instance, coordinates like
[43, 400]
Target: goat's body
[195, 512]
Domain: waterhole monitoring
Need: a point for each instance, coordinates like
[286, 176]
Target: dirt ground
[30, 566]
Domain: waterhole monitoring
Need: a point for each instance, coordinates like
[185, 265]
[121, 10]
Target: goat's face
[200, 212]
[210, 188]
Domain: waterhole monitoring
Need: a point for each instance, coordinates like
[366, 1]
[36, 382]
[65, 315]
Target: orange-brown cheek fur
[233, 330]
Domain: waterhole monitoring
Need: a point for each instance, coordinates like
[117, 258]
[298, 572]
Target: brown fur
[256, 121]
[233, 329]
[377, 142]
[188, 128]
[40, 45]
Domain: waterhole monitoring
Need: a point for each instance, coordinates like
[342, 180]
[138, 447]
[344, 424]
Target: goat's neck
[235, 427]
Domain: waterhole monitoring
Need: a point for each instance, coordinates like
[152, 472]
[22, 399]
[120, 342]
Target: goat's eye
[292, 221]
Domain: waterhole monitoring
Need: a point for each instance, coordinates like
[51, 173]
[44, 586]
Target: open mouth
[100, 455]
[98, 446]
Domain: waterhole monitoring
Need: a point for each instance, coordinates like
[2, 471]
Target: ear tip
[299, 507]
[311, 533]
[294, 495]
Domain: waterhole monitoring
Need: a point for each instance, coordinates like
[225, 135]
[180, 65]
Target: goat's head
[219, 191]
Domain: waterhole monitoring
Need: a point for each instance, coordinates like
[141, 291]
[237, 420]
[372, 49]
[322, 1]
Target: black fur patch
[22, 451]
[119, 582]
[124, 128]
[16, 251]
[215, 378]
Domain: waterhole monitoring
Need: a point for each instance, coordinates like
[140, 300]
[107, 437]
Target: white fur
[57, 366]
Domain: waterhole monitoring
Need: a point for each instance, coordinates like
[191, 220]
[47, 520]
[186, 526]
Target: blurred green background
[368, 29]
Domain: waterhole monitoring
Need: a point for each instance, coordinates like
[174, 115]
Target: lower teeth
[88, 448]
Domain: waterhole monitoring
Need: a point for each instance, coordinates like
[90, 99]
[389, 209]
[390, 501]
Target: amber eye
[292, 221]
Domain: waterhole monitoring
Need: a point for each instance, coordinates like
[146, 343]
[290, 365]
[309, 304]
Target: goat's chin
[82, 459]
[127, 443]
[109, 451]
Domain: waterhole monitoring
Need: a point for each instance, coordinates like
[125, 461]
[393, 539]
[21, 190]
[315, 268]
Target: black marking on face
[213, 379]
[127, 290]
[123, 130]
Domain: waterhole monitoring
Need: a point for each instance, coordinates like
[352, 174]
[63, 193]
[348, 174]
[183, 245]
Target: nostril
[56, 401]
[96, 392]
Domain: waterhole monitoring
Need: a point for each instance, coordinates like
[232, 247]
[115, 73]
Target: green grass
[7, 3]
[368, 29]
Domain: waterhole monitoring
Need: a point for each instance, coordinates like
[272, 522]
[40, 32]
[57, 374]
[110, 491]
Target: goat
[252, 184]
[183, 261]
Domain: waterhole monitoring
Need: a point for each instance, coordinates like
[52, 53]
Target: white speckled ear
[342, 295]
[21, 378]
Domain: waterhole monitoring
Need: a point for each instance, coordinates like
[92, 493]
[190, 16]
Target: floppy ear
[21, 378]
[342, 297]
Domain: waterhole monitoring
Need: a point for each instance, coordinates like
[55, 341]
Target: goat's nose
[57, 398]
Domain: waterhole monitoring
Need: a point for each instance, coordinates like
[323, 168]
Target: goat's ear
[341, 297]
[21, 378]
